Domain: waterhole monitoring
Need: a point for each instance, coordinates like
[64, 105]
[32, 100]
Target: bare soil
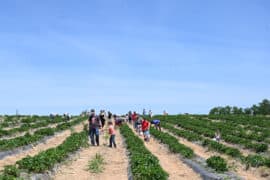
[50, 143]
[236, 166]
[115, 168]
[170, 162]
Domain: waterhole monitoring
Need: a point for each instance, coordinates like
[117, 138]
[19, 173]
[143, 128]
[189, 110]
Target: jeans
[112, 140]
[94, 132]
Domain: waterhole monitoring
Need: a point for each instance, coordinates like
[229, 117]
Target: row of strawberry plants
[201, 128]
[259, 121]
[47, 159]
[144, 165]
[255, 132]
[218, 164]
[231, 127]
[27, 126]
[173, 143]
[251, 160]
[231, 137]
[182, 133]
[225, 128]
[206, 142]
[10, 121]
[9, 144]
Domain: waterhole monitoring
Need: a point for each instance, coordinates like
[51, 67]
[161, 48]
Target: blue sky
[182, 56]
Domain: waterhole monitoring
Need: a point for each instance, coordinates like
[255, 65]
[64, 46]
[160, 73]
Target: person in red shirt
[112, 135]
[145, 129]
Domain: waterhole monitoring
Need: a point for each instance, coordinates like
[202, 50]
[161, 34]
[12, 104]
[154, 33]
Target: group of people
[141, 125]
[66, 116]
[97, 123]
[150, 113]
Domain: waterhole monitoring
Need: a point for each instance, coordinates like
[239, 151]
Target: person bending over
[156, 122]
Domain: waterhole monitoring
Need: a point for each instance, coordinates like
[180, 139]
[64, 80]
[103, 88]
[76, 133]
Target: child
[112, 135]
[217, 136]
[145, 129]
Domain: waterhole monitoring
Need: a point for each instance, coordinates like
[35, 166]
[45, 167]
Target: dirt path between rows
[243, 151]
[115, 168]
[237, 167]
[32, 130]
[50, 143]
[170, 162]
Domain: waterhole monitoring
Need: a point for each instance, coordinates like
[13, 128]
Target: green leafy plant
[144, 165]
[96, 165]
[255, 160]
[8, 144]
[172, 143]
[45, 160]
[217, 163]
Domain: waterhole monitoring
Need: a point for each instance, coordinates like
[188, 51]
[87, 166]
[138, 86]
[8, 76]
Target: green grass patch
[96, 165]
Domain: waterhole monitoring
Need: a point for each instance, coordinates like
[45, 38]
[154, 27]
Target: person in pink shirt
[112, 135]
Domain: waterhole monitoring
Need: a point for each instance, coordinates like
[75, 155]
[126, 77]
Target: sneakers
[111, 146]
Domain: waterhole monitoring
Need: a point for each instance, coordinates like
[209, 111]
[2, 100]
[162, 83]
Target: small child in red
[112, 135]
[145, 129]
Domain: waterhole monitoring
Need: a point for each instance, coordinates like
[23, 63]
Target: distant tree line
[262, 108]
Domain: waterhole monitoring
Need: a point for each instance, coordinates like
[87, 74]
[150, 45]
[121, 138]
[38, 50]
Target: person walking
[112, 135]
[150, 114]
[94, 126]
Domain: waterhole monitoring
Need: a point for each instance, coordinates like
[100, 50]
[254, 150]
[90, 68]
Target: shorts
[146, 133]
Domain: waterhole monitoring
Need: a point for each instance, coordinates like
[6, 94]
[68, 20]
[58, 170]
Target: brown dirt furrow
[243, 151]
[50, 143]
[115, 168]
[237, 167]
[170, 162]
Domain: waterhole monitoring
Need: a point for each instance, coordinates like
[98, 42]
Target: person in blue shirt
[156, 122]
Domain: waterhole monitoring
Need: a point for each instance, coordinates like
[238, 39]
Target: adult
[102, 118]
[150, 114]
[117, 120]
[94, 126]
[139, 125]
[134, 119]
[165, 113]
[156, 122]
[144, 112]
[145, 129]
[109, 115]
[129, 117]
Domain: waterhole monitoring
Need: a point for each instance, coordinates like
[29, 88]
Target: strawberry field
[39, 147]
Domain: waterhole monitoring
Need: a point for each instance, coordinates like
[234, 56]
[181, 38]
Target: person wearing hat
[94, 126]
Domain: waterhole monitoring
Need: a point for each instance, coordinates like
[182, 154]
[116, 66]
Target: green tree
[247, 111]
[255, 109]
[264, 107]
